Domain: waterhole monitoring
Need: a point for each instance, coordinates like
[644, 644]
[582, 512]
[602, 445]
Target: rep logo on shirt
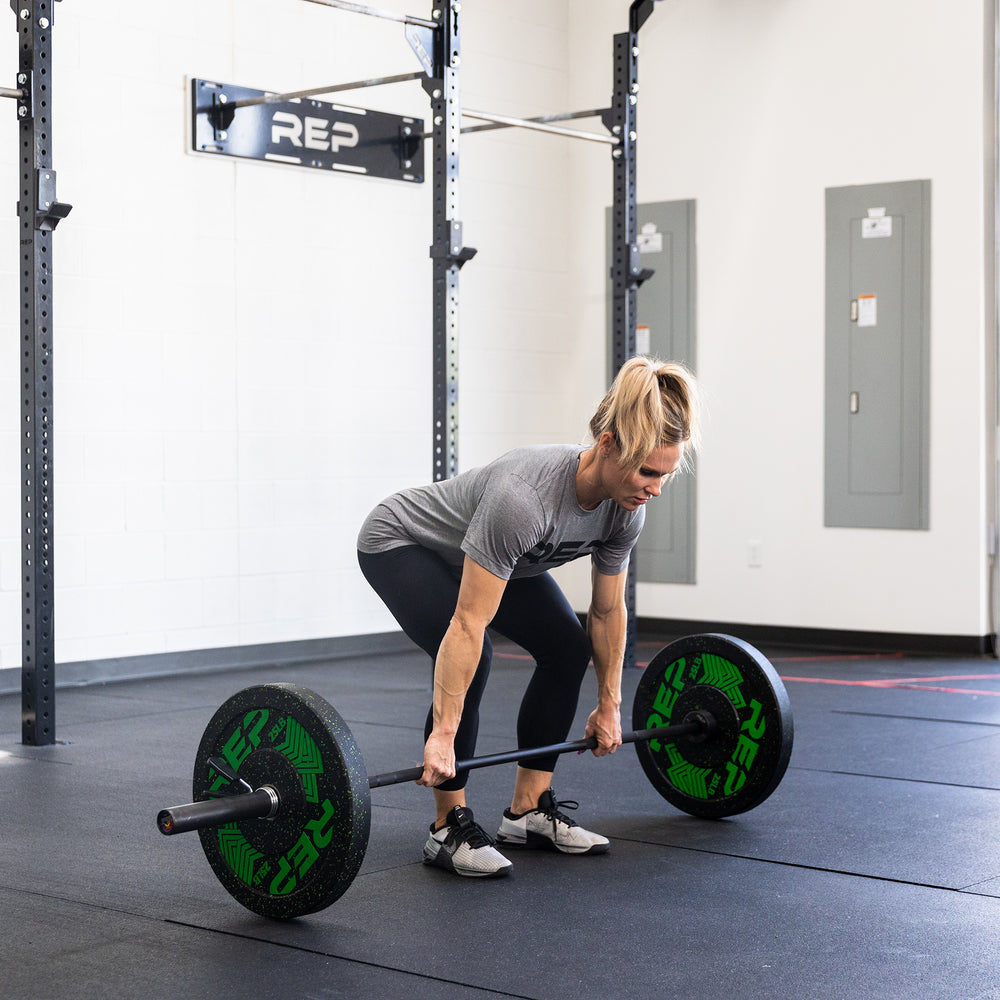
[556, 555]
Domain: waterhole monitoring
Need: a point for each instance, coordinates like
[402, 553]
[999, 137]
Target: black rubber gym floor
[872, 872]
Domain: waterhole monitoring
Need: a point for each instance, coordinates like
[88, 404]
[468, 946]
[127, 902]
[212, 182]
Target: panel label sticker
[867, 310]
[649, 240]
[877, 226]
[642, 339]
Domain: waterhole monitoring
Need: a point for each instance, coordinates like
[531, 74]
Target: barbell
[283, 803]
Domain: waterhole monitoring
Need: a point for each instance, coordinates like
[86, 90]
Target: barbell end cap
[165, 822]
[708, 723]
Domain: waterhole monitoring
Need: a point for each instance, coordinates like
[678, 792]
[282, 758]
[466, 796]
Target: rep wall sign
[305, 132]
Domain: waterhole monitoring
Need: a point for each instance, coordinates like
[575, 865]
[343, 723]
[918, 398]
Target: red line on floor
[907, 683]
[947, 677]
[928, 687]
[901, 683]
[831, 658]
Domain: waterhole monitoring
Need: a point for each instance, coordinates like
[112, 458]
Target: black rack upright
[627, 273]
[447, 252]
[38, 213]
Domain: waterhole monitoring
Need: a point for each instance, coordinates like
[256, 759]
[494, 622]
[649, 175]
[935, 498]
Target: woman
[454, 557]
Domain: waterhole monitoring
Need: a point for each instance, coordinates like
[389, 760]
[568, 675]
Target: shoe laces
[553, 811]
[467, 830]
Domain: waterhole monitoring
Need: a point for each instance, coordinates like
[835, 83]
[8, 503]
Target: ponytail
[650, 404]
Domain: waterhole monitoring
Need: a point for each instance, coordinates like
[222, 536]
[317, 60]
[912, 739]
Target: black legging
[421, 591]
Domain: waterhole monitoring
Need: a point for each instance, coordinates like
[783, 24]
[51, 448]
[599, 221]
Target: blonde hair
[650, 404]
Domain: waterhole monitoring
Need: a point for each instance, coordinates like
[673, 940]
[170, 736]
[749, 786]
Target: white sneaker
[465, 848]
[548, 827]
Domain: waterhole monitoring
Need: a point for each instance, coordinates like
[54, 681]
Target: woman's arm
[607, 621]
[457, 659]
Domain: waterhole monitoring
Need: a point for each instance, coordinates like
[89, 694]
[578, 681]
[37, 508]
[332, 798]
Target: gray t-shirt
[517, 516]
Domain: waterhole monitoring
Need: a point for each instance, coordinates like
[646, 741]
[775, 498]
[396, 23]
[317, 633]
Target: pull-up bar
[540, 124]
[565, 116]
[504, 121]
[9, 92]
[375, 81]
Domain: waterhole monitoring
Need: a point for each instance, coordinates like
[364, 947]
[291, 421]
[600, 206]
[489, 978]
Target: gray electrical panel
[665, 328]
[877, 355]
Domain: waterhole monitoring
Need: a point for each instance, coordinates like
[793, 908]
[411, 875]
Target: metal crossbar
[538, 126]
[565, 116]
[388, 15]
[375, 81]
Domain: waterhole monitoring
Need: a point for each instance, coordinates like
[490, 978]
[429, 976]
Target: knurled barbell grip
[697, 723]
[261, 804]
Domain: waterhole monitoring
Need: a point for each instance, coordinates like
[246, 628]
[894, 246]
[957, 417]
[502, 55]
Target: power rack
[329, 138]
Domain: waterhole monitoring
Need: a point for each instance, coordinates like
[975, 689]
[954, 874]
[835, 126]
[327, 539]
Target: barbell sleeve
[261, 804]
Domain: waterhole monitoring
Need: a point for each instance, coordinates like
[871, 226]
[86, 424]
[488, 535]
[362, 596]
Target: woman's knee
[572, 653]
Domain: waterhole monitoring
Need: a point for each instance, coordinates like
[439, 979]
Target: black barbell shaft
[687, 728]
[263, 803]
